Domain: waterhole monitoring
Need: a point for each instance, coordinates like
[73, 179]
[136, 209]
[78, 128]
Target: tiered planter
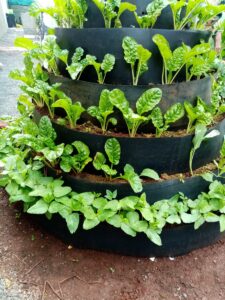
[165, 155]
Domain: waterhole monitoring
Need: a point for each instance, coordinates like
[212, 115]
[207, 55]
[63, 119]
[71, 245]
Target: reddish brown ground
[34, 260]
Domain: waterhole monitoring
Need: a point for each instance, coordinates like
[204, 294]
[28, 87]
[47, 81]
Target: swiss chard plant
[73, 110]
[112, 10]
[145, 104]
[104, 111]
[162, 122]
[137, 57]
[75, 162]
[67, 14]
[197, 61]
[201, 113]
[113, 151]
[153, 11]
[194, 14]
[80, 63]
[47, 52]
[200, 136]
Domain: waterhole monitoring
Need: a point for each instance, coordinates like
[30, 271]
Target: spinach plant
[79, 63]
[154, 10]
[137, 56]
[103, 111]
[197, 60]
[199, 138]
[199, 114]
[77, 162]
[162, 122]
[112, 10]
[145, 104]
[73, 110]
[67, 14]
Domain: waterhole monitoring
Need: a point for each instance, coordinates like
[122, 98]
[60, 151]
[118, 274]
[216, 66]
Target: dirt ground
[43, 267]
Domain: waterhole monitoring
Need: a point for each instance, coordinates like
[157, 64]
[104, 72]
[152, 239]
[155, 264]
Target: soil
[44, 267]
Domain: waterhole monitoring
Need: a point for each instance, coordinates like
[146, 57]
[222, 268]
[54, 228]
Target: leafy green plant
[73, 111]
[198, 60]
[137, 56]
[47, 52]
[195, 14]
[199, 138]
[154, 10]
[77, 162]
[79, 63]
[162, 122]
[112, 10]
[145, 104]
[199, 114]
[113, 151]
[103, 111]
[68, 13]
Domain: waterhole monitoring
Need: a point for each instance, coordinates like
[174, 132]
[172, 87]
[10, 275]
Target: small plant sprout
[199, 138]
[103, 112]
[137, 56]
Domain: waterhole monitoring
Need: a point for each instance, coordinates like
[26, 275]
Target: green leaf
[148, 100]
[89, 224]
[128, 230]
[174, 113]
[61, 191]
[39, 208]
[114, 205]
[118, 99]
[208, 176]
[100, 203]
[107, 170]
[99, 161]
[150, 174]
[108, 63]
[115, 221]
[25, 43]
[189, 218]
[222, 223]
[105, 105]
[130, 48]
[133, 178]
[163, 46]
[113, 150]
[153, 236]
[72, 222]
[55, 207]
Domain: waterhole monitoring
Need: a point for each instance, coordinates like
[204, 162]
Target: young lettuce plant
[73, 111]
[154, 10]
[199, 138]
[112, 10]
[183, 56]
[199, 114]
[145, 104]
[79, 63]
[162, 122]
[103, 111]
[67, 14]
[137, 56]
[77, 162]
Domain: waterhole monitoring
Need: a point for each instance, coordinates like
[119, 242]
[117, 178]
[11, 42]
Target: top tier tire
[101, 41]
[95, 19]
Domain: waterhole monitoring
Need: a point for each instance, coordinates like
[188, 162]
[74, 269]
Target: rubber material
[155, 191]
[88, 93]
[177, 240]
[100, 41]
[95, 18]
[164, 155]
